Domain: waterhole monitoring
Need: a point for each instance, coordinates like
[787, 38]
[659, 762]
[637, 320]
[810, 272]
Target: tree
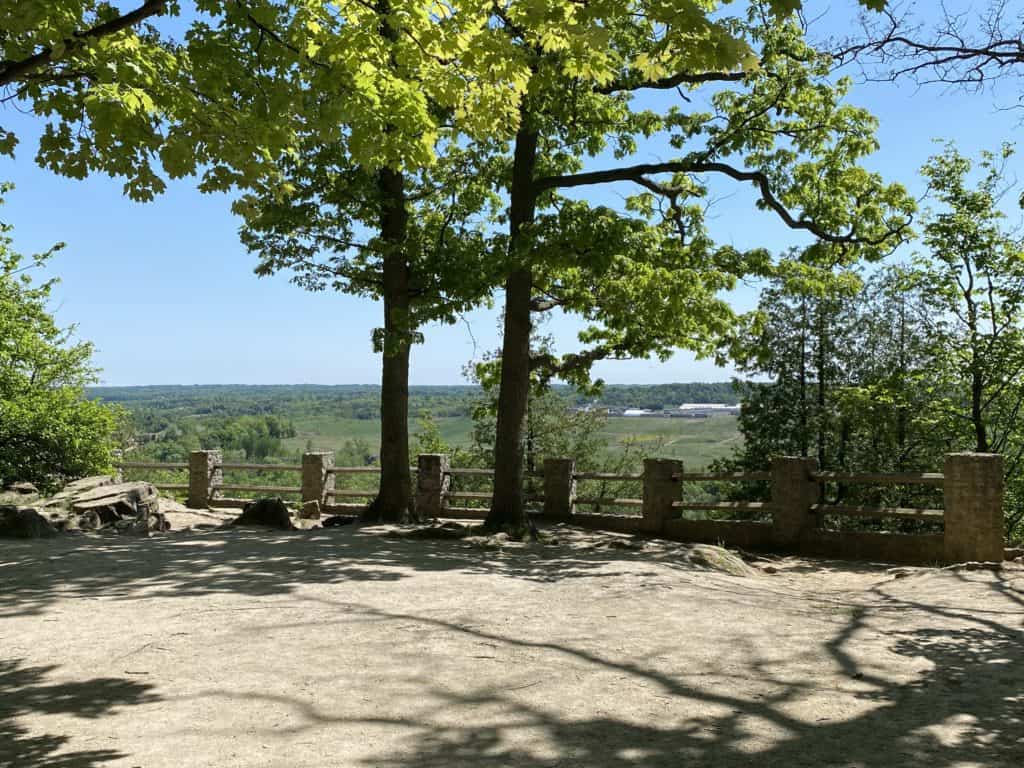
[932, 356]
[973, 281]
[428, 266]
[425, 259]
[48, 431]
[356, 99]
[778, 124]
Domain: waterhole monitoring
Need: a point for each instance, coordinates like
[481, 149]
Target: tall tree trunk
[802, 435]
[822, 363]
[507, 505]
[901, 409]
[394, 496]
[977, 378]
[977, 413]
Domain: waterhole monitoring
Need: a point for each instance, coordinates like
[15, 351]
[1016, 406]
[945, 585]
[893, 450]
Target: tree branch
[13, 71]
[637, 174]
[628, 83]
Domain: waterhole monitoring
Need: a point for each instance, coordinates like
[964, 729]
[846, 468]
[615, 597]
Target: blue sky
[167, 294]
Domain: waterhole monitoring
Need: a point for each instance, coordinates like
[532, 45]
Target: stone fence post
[317, 478]
[662, 486]
[559, 487]
[432, 481]
[973, 497]
[794, 490]
[204, 472]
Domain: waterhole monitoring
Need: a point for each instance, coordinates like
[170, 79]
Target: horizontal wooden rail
[264, 467]
[259, 488]
[172, 486]
[350, 493]
[917, 513]
[738, 477]
[468, 495]
[606, 476]
[149, 465]
[469, 471]
[609, 501]
[732, 506]
[881, 478]
[354, 470]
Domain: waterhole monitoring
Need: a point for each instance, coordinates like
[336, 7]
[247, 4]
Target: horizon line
[377, 384]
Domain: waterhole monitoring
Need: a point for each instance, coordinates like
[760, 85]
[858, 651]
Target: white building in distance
[698, 410]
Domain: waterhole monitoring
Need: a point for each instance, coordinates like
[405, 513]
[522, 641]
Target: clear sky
[168, 296]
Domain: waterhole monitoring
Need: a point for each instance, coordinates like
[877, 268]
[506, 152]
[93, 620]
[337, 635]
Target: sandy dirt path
[340, 647]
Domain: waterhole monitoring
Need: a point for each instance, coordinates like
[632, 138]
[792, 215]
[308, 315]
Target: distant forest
[152, 405]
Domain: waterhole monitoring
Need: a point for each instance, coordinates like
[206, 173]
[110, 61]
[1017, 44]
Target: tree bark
[802, 380]
[507, 506]
[394, 496]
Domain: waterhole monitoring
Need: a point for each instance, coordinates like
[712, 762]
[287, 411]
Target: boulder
[335, 520]
[270, 513]
[24, 523]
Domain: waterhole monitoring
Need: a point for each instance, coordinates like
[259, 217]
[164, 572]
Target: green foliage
[924, 359]
[48, 431]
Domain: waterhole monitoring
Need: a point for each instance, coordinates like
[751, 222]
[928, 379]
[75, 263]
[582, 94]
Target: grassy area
[695, 441]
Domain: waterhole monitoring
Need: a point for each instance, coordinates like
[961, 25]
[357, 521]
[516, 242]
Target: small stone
[769, 569]
[310, 510]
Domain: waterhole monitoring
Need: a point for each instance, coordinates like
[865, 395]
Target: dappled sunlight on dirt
[345, 647]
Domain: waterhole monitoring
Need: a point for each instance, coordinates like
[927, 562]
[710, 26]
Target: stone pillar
[432, 480]
[794, 490]
[662, 487]
[973, 494]
[317, 478]
[559, 487]
[204, 472]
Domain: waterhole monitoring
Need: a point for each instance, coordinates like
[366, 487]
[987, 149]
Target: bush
[48, 431]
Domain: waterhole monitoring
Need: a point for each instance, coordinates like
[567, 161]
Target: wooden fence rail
[790, 518]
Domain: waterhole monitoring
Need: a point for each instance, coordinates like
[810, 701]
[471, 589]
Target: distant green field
[696, 442]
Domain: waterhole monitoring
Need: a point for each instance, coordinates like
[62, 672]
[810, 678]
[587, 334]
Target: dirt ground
[343, 647]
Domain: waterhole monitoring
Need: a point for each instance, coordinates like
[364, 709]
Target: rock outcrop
[24, 488]
[100, 503]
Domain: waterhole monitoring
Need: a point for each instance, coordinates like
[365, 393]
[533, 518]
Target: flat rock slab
[76, 487]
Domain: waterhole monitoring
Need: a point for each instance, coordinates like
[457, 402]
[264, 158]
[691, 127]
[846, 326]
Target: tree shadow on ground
[266, 563]
[964, 706]
[24, 692]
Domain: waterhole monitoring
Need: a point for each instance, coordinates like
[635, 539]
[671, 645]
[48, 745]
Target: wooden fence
[790, 518]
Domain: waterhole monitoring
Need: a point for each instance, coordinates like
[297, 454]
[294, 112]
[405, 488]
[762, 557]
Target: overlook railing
[791, 517]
